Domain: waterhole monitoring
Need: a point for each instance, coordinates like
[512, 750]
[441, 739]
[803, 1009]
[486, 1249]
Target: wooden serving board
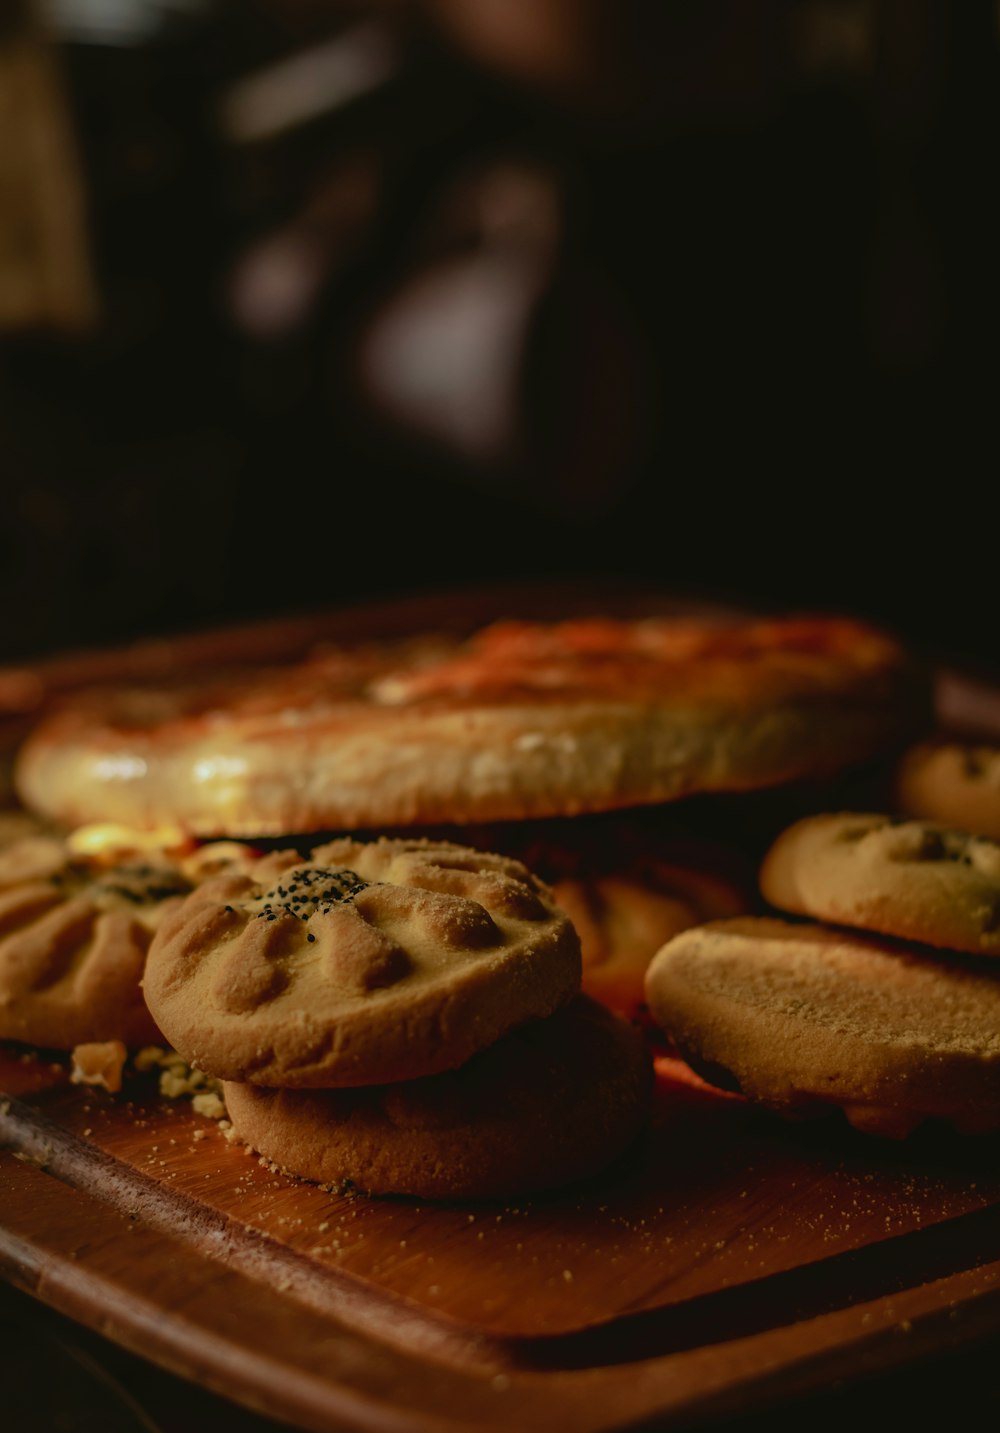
[726, 1261]
[729, 1261]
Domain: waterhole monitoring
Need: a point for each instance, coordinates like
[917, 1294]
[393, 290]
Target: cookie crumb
[178, 1079]
[99, 1062]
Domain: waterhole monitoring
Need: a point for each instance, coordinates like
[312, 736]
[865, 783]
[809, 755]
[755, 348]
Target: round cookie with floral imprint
[954, 782]
[74, 933]
[365, 963]
[623, 920]
[912, 879]
[552, 1102]
[803, 1017]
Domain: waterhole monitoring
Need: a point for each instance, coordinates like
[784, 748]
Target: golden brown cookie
[363, 964]
[623, 920]
[802, 1017]
[954, 782]
[628, 885]
[521, 720]
[553, 1101]
[73, 941]
[911, 879]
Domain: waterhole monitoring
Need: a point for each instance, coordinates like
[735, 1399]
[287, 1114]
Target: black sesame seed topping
[338, 887]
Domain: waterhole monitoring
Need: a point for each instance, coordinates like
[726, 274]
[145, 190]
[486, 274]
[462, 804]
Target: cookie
[552, 1102]
[73, 940]
[802, 1017]
[628, 885]
[364, 963]
[623, 919]
[954, 782]
[911, 879]
[518, 721]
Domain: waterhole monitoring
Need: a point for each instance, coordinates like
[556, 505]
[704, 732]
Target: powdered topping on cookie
[363, 963]
[912, 879]
[804, 1016]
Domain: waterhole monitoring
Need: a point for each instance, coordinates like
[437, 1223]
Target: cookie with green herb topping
[913, 879]
[74, 932]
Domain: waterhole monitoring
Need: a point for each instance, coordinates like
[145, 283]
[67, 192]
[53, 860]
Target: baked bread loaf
[552, 1102]
[801, 1018]
[364, 963]
[521, 720]
[911, 879]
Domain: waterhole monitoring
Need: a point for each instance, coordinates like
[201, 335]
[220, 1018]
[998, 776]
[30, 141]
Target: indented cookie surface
[552, 1102]
[627, 886]
[623, 919]
[803, 1016]
[912, 879]
[74, 932]
[362, 964]
[521, 720]
[954, 782]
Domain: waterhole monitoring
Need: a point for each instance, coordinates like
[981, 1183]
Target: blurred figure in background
[348, 299]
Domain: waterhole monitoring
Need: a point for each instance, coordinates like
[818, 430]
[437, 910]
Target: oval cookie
[911, 879]
[364, 964]
[802, 1017]
[550, 1103]
[954, 782]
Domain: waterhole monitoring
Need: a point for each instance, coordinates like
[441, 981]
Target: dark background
[700, 295]
[697, 295]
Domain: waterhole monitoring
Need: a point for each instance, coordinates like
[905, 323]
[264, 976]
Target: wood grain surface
[727, 1257]
[728, 1262]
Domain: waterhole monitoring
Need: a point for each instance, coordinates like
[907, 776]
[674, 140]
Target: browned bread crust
[363, 963]
[552, 1102]
[521, 720]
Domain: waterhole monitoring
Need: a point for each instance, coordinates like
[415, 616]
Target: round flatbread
[552, 1102]
[805, 1017]
[911, 879]
[521, 720]
[364, 963]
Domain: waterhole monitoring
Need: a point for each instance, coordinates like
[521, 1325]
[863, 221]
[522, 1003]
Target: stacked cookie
[400, 1015]
[885, 1002]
